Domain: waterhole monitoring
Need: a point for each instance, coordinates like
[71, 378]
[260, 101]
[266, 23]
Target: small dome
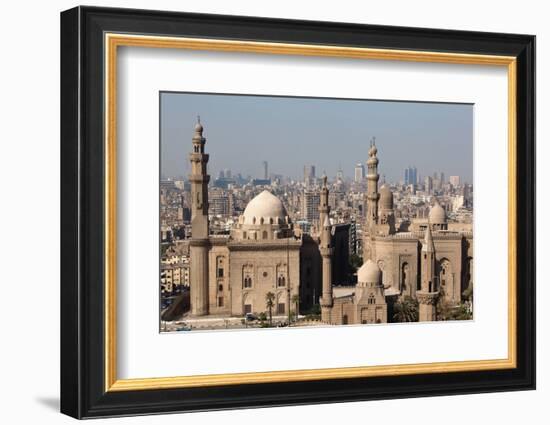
[373, 150]
[198, 127]
[386, 198]
[266, 206]
[437, 214]
[369, 272]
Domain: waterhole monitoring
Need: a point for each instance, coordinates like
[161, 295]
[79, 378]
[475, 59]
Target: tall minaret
[427, 296]
[326, 253]
[199, 243]
[371, 218]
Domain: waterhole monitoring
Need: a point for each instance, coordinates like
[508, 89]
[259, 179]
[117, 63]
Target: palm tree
[269, 303]
[296, 302]
[406, 310]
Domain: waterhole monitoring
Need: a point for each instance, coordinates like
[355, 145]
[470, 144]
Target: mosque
[231, 274]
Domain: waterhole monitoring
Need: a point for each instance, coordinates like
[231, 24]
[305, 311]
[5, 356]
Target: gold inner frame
[113, 41]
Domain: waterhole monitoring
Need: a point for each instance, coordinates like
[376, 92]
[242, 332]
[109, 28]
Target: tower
[359, 174]
[199, 243]
[326, 253]
[386, 217]
[427, 296]
[372, 187]
[266, 174]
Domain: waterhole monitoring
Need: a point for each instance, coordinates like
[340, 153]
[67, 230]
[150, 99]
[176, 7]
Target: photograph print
[280, 212]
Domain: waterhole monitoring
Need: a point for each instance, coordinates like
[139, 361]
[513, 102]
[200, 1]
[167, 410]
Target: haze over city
[328, 133]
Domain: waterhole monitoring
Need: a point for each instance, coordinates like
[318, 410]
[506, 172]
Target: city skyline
[295, 132]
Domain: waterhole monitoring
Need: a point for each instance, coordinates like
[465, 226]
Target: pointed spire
[428, 239]
[324, 179]
[198, 127]
[373, 150]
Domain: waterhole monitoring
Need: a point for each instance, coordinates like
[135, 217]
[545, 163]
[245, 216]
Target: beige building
[428, 263]
[231, 274]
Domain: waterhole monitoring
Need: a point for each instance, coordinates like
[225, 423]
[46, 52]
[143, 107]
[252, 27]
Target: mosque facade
[231, 275]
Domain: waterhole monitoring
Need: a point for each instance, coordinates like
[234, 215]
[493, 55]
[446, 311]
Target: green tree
[447, 311]
[269, 303]
[355, 261]
[406, 310]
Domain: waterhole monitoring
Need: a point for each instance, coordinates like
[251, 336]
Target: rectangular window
[281, 308]
[220, 272]
[220, 302]
[247, 308]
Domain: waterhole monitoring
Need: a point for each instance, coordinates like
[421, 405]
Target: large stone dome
[437, 214]
[265, 208]
[369, 272]
[386, 198]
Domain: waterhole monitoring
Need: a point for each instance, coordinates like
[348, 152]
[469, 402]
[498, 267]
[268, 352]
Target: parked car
[250, 317]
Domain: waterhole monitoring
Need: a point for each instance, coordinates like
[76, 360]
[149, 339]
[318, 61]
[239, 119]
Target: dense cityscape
[348, 220]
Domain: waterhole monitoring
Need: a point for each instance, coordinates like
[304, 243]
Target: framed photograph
[261, 212]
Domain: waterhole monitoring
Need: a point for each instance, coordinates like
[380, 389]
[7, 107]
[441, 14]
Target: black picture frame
[83, 392]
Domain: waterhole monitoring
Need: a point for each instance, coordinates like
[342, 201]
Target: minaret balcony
[198, 157]
[326, 252]
[199, 178]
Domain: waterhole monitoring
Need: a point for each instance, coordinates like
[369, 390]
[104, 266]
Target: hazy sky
[243, 131]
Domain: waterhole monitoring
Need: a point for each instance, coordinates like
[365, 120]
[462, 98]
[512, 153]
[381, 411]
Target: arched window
[247, 276]
[264, 234]
[220, 268]
[445, 274]
[404, 276]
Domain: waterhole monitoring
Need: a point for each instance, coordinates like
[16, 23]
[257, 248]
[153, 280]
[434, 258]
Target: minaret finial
[199, 119]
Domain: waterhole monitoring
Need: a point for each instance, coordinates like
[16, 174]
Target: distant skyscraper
[309, 174]
[219, 202]
[411, 176]
[428, 184]
[266, 175]
[310, 205]
[359, 173]
[454, 180]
